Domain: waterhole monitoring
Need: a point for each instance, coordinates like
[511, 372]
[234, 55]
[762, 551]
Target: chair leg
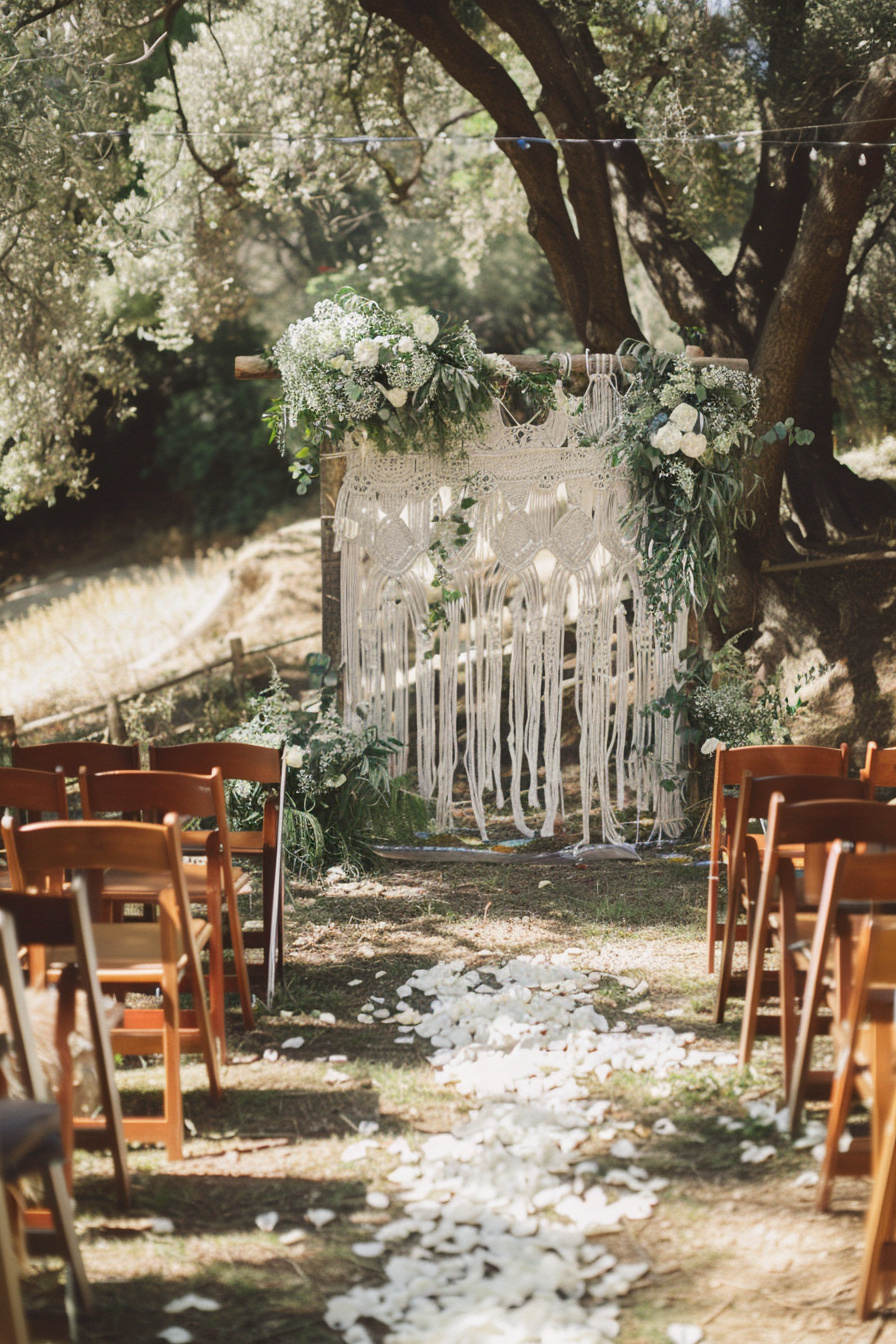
[844, 1076]
[12, 1313]
[102, 1048]
[60, 1206]
[755, 971]
[239, 960]
[173, 1099]
[812, 995]
[879, 1221]
[729, 941]
[66, 986]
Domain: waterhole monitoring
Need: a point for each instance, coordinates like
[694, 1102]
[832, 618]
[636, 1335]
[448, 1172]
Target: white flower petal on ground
[293, 1043]
[192, 1302]
[665, 1126]
[175, 1334]
[328, 1019]
[270, 1056]
[356, 1152]
[684, 1334]
[377, 1199]
[161, 1226]
[266, 1222]
[501, 1205]
[334, 1076]
[320, 1217]
[293, 1237]
[368, 1127]
[757, 1152]
[805, 1178]
[368, 1250]
[353, 983]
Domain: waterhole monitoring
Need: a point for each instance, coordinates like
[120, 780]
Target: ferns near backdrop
[339, 793]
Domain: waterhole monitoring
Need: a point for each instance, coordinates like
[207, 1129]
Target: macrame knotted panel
[546, 554]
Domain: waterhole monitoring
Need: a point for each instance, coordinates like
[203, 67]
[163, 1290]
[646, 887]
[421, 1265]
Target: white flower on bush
[709, 746]
[406, 345]
[426, 329]
[684, 417]
[667, 439]
[396, 396]
[295, 758]
[367, 353]
[693, 445]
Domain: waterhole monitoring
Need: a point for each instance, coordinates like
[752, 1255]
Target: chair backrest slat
[780, 759]
[34, 791]
[71, 756]
[879, 770]
[821, 822]
[50, 846]
[40, 918]
[235, 760]
[798, 789]
[149, 791]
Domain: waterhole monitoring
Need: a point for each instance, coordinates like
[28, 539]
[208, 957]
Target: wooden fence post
[114, 721]
[332, 474]
[238, 659]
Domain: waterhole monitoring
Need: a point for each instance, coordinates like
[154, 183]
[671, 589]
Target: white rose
[684, 417]
[295, 758]
[406, 345]
[667, 439]
[426, 329]
[693, 445]
[367, 353]
[396, 396]
[709, 746]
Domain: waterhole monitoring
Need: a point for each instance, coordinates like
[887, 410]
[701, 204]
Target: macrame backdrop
[546, 551]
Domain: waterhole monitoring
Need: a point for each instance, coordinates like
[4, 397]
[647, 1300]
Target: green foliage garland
[405, 380]
[339, 792]
[686, 437]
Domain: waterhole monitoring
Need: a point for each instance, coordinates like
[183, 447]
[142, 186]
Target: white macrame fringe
[546, 553]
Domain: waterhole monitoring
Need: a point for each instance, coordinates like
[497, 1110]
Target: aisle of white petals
[500, 1231]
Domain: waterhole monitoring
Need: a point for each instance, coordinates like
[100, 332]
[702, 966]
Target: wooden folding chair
[730, 764]
[152, 793]
[44, 1154]
[855, 885]
[72, 757]
[32, 794]
[255, 765]
[136, 956]
[58, 921]
[13, 1326]
[814, 826]
[745, 856]
[879, 770]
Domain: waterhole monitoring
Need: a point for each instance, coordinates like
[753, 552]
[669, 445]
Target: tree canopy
[165, 173]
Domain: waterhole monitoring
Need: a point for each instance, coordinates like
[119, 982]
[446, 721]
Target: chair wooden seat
[134, 886]
[128, 953]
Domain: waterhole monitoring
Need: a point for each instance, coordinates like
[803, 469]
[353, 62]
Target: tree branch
[220, 176]
[434, 25]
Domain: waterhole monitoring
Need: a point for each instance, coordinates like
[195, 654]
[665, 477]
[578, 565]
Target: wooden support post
[332, 474]
[114, 721]
[7, 737]
[238, 660]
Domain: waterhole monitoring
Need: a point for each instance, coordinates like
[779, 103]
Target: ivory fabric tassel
[547, 555]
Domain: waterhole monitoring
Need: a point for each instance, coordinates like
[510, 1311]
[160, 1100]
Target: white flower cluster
[680, 433]
[352, 361]
[505, 1213]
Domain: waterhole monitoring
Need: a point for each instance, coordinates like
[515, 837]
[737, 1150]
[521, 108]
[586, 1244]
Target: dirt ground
[735, 1248]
